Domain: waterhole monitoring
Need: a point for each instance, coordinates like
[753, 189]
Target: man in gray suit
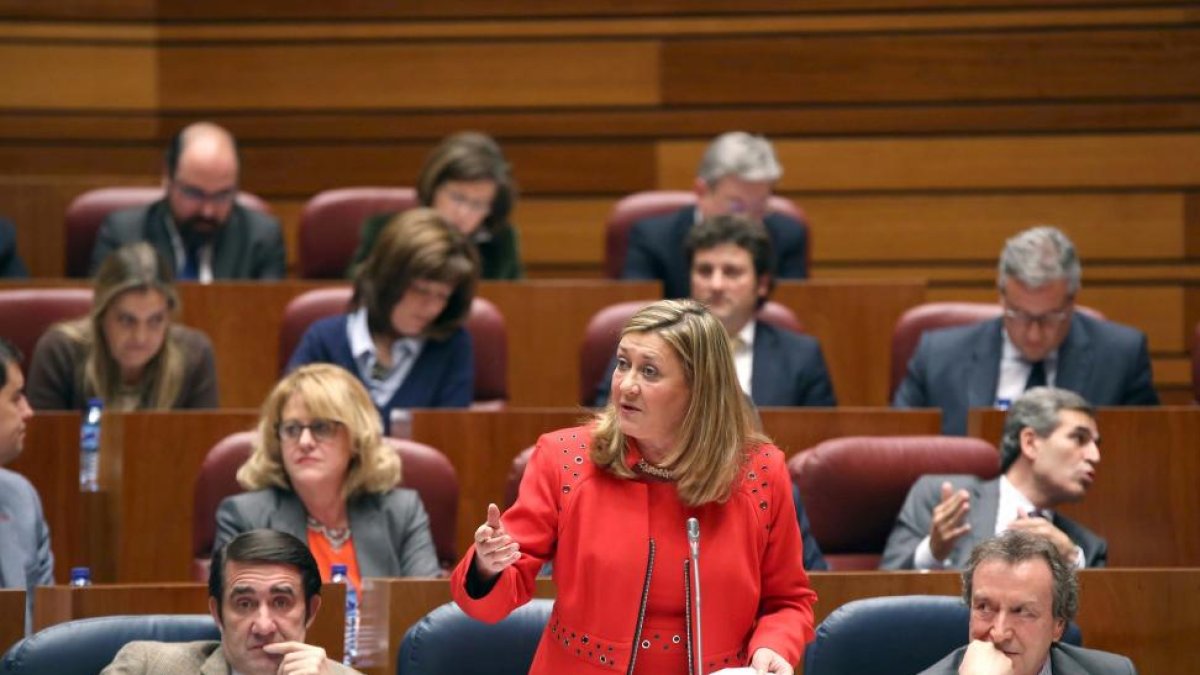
[1048, 457]
[264, 592]
[1022, 595]
[25, 557]
[198, 226]
[1039, 340]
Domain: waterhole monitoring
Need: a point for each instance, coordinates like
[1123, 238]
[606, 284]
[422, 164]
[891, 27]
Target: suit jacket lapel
[215, 664]
[1074, 358]
[371, 540]
[158, 233]
[12, 566]
[985, 502]
[984, 370]
[228, 245]
[1061, 662]
[764, 384]
[290, 516]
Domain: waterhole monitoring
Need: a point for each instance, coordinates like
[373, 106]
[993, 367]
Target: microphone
[693, 535]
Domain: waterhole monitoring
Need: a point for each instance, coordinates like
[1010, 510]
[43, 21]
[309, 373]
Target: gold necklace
[337, 536]
[656, 471]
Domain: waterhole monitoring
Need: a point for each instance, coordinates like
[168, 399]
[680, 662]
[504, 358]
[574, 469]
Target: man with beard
[198, 226]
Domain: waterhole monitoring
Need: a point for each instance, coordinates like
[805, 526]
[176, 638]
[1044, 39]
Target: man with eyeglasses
[1039, 340]
[736, 176]
[198, 226]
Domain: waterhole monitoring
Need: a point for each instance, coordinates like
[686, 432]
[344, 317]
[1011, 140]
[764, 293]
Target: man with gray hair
[736, 176]
[1048, 457]
[1022, 596]
[1039, 340]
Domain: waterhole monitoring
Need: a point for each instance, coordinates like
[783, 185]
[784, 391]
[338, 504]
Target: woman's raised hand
[494, 548]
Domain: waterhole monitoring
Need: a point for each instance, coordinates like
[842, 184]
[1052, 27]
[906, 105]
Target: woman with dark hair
[403, 336]
[610, 504]
[467, 180]
[128, 352]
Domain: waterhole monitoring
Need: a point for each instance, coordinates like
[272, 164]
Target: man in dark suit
[11, 265]
[730, 262]
[25, 557]
[736, 176]
[198, 226]
[1022, 595]
[1048, 457]
[1039, 340]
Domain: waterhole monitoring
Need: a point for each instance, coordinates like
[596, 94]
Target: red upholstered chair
[933, 315]
[603, 333]
[642, 205]
[87, 212]
[423, 468]
[26, 313]
[853, 487]
[485, 323]
[331, 223]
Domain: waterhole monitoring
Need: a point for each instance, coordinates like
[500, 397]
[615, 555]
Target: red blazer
[595, 528]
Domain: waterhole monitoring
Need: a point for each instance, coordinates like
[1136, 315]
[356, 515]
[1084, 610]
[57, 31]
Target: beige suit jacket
[180, 658]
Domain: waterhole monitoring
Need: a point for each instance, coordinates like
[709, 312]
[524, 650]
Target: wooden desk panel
[57, 604]
[1145, 500]
[12, 617]
[1148, 615]
[481, 445]
[51, 463]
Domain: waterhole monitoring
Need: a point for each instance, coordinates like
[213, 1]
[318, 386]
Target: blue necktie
[191, 264]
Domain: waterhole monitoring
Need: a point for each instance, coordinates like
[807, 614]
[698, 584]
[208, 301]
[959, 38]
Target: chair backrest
[641, 205]
[934, 315]
[448, 641]
[423, 468]
[485, 323]
[86, 646]
[854, 486]
[26, 313]
[906, 634]
[87, 212]
[331, 223]
[603, 334]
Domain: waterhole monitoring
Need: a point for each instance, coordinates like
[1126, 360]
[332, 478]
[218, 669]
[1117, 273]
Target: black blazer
[11, 265]
[249, 246]
[656, 250]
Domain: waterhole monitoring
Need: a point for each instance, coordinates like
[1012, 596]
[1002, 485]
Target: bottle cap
[337, 569]
[81, 573]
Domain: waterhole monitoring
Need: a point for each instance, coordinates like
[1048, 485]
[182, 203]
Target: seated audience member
[1040, 340]
[730, 261]
[814, 560]
[198, 226]
[25, 557]
[404, 335]
[264, 591]
[11, 265]
[736, 176]
[321, 472]
[467, 180]
[127, 352]
[1048, 457]
[1022, 596]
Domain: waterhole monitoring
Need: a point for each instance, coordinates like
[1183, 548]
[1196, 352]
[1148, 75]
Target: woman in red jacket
[609, 504]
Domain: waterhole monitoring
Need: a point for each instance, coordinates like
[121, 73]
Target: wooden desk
[57, 604]
[1144, 500]
[481, 445]
[1148, 615]
[12, 617]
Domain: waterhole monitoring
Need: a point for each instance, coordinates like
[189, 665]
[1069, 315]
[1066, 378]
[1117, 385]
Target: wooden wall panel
[968, 163]
[365, 75]
[1041, 65]
[97, 77]
[859, 230]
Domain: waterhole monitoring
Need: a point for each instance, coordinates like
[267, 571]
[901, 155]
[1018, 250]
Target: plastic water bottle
[81, 576]
[89, 447]
[350, 652]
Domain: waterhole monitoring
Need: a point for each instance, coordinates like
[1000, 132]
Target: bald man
[197, 226]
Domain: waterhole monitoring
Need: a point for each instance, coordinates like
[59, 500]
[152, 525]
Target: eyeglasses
[195, 194]
[463, 201]
[322, 430]
[1050, 319]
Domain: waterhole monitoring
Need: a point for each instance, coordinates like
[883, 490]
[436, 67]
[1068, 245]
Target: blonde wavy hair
[718, 426]
[135, 267]
[329, 392]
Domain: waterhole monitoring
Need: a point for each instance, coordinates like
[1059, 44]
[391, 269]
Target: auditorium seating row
[331, 222]
[1124, 611]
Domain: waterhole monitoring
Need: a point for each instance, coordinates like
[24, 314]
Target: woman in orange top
[321, 472]
[609, 503]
